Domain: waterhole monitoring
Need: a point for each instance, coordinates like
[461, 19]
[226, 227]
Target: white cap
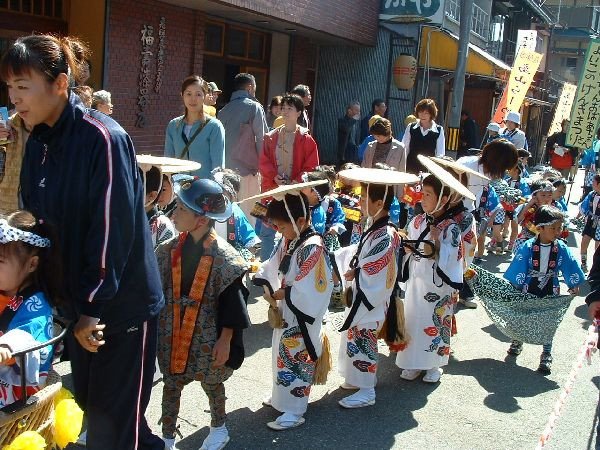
[493, 126]
[514, 116]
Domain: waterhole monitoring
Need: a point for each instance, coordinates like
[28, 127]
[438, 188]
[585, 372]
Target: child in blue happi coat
[536, 266]
[237, 230]
[29, 278]
[515, 180]
[590, 209]
[327, 215]
[489, 204]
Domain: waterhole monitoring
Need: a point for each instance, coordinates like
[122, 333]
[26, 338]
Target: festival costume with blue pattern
[302, 268]
[25, 320]
[429, 296]
[374, 261]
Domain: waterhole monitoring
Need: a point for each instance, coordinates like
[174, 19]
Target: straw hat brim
[182, 165]
[280, 192]
[190, 167]
[459, 167]
[378, 176]
[445, 177]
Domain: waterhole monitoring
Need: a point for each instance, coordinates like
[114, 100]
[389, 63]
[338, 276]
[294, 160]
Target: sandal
[433, 375]
[545, 367]
[285, 422]
[410, 374]
[364, 397]
[515, 348]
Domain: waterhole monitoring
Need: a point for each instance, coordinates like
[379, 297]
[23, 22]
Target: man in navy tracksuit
[80, 175]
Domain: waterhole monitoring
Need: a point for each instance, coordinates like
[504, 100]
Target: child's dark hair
[597, 178]
[322, 189]
[48, 276]
[347, 166]
[154, 181]
[557, 182]
[540, 185]
[329, 170]
[379, 192]
[436, 185]
[497, 157]
[276, 209]
[232, 177]
[548, 215]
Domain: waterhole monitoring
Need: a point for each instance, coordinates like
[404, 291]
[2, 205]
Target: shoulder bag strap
[186, 149]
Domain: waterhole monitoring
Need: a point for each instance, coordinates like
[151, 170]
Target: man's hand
[435, 232]
[221, 349]
[279, 180]
[88, 332]
[279, 294]
[5, 354]
[594, 310]
[349, 276]
[574, 291]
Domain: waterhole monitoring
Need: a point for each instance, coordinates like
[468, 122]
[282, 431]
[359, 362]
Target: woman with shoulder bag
[194, 135]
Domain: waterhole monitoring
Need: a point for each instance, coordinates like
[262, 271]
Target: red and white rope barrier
[585, 352]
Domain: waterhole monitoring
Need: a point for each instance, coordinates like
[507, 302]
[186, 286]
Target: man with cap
[493, 130]
[210, 100]
[200, 332]
[512, 132]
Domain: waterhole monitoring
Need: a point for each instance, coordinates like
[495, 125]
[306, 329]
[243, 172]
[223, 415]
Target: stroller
[34, 413]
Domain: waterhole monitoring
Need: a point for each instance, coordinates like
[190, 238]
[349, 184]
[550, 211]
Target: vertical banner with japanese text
[563, 107]
[586, 106]
[521, 76]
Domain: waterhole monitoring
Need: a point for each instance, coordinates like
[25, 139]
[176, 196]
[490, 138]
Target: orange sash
[183, 329]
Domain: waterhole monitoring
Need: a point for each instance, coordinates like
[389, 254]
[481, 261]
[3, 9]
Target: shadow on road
[494, 332]
[504, 381]
[335, 426]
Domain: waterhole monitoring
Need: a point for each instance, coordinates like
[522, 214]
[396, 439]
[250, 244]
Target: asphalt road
[485, 400]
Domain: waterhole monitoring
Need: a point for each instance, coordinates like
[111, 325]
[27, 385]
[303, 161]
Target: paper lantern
[405, 71]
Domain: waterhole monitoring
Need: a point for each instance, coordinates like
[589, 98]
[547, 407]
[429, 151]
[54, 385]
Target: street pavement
[485, 400]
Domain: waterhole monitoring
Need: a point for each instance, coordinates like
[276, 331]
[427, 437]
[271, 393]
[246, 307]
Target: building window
[221, 39]
[44, 8]
[569, 63]
[479, 22]
[213, 38]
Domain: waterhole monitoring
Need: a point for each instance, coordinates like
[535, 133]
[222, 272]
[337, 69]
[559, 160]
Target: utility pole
[466, 16]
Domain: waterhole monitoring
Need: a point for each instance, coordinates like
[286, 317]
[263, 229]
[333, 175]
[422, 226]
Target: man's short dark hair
[376, 102]
[302, 90]
[243, 80]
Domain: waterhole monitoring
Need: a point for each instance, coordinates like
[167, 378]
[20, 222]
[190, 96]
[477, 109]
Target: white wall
[280, 45]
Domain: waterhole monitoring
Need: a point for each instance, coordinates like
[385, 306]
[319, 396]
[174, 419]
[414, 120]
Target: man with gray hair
[245, 127]
[303, 91]
[349, 135]
[101, 101]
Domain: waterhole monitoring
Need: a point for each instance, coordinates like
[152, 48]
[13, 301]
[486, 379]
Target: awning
[439, 50]
[537, 101]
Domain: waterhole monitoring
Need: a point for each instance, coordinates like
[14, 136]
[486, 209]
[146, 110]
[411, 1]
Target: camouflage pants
[174, 384]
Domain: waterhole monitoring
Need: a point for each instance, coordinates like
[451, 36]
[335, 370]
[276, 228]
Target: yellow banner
[563, 107]
[521, 76]
[586, 107]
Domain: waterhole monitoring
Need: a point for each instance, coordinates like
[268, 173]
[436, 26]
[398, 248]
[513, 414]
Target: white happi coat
[429, 303]
[310, 284]
[377, 262]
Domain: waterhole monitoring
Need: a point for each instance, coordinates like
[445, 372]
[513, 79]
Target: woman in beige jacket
[10, 168]
[384, 149]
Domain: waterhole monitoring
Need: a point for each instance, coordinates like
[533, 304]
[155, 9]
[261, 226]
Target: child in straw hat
[430, 291]
[298, 283]
[371, 270]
